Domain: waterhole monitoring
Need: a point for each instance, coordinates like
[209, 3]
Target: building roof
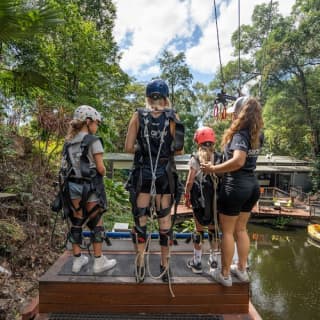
[264, 163]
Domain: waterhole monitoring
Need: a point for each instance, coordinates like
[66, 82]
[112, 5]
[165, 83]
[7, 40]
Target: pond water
[285, 274]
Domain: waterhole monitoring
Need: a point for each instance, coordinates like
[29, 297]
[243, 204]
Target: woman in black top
[240, 188]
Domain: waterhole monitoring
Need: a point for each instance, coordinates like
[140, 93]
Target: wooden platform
[116, 292]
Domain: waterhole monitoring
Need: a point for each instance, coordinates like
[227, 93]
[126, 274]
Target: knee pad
[165, 237]
[75, 235]
[198, 237]
[91, 224]
[140, 212]
[139, 234]
[163, 212]
[97, 234]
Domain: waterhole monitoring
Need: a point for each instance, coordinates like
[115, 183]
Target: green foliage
[281, 138]
[315, 175]
[175, 70]
[282, 222]
[19, 21]
[119, 209]
[187, 226]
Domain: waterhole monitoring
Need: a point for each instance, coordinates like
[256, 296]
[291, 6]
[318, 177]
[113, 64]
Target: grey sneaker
[195, 267]
[102, 264]
[241, 275]
[79, 262]
[218, 277]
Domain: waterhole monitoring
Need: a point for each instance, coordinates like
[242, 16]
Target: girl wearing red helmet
[200, 191]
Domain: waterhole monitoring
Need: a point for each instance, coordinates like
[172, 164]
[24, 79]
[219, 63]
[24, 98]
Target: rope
[153, 208]
[239, 57]
[218, 40]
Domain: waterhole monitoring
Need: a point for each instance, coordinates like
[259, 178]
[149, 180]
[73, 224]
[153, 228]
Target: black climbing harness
[150, 155]
[91, 182]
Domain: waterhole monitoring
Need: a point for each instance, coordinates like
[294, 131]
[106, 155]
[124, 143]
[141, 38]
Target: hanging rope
[239, 46]
[218, 40]
[264, 48]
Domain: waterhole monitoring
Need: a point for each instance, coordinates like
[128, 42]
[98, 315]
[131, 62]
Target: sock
[97, 256]
[197, 255]
[77, 255]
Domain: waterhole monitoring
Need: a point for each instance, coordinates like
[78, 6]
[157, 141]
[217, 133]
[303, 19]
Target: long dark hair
[250, 117]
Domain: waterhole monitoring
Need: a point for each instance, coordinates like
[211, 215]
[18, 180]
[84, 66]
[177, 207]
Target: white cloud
[153, 25]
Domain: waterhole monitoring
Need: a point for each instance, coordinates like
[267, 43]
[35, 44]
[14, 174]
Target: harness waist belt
[79, 180]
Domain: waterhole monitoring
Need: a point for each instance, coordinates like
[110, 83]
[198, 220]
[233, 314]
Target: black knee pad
[165, 237]
[75, 235]
[139, 234]
[198, 237]
[91, 224]
[97, 234]
[140, 212]
[163, 212]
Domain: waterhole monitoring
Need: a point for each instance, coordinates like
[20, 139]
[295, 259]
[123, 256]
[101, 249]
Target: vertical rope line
[218, 40]
[239, 38]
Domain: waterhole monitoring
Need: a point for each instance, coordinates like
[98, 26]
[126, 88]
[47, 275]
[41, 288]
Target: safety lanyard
[154, 166]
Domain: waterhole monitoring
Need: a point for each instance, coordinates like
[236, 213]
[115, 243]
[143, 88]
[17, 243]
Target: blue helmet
[156, 88]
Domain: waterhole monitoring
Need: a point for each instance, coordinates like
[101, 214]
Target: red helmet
[204, 134]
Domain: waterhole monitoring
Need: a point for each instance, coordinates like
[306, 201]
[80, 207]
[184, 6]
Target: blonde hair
[250, 117]
[155, 104]
[75, 127]
[205, 153]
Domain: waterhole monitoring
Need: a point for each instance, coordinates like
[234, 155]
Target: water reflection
[285, 274]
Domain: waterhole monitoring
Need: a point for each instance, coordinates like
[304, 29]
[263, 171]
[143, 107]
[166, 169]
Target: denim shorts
[75, 191]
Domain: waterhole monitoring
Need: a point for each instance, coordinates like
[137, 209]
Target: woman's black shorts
[238, 194]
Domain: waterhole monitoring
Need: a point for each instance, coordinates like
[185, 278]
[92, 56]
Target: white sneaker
[79, 262]
[241, 275]
[213, 261]
[102, 264]
[217, 276]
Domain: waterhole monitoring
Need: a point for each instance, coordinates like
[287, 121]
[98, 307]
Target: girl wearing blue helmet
[151, 137]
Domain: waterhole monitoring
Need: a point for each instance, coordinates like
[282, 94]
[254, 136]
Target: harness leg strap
[165, 237]
[94, 221]
[163, 212]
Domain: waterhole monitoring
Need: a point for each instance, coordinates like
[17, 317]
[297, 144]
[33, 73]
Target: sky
[144, 28]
